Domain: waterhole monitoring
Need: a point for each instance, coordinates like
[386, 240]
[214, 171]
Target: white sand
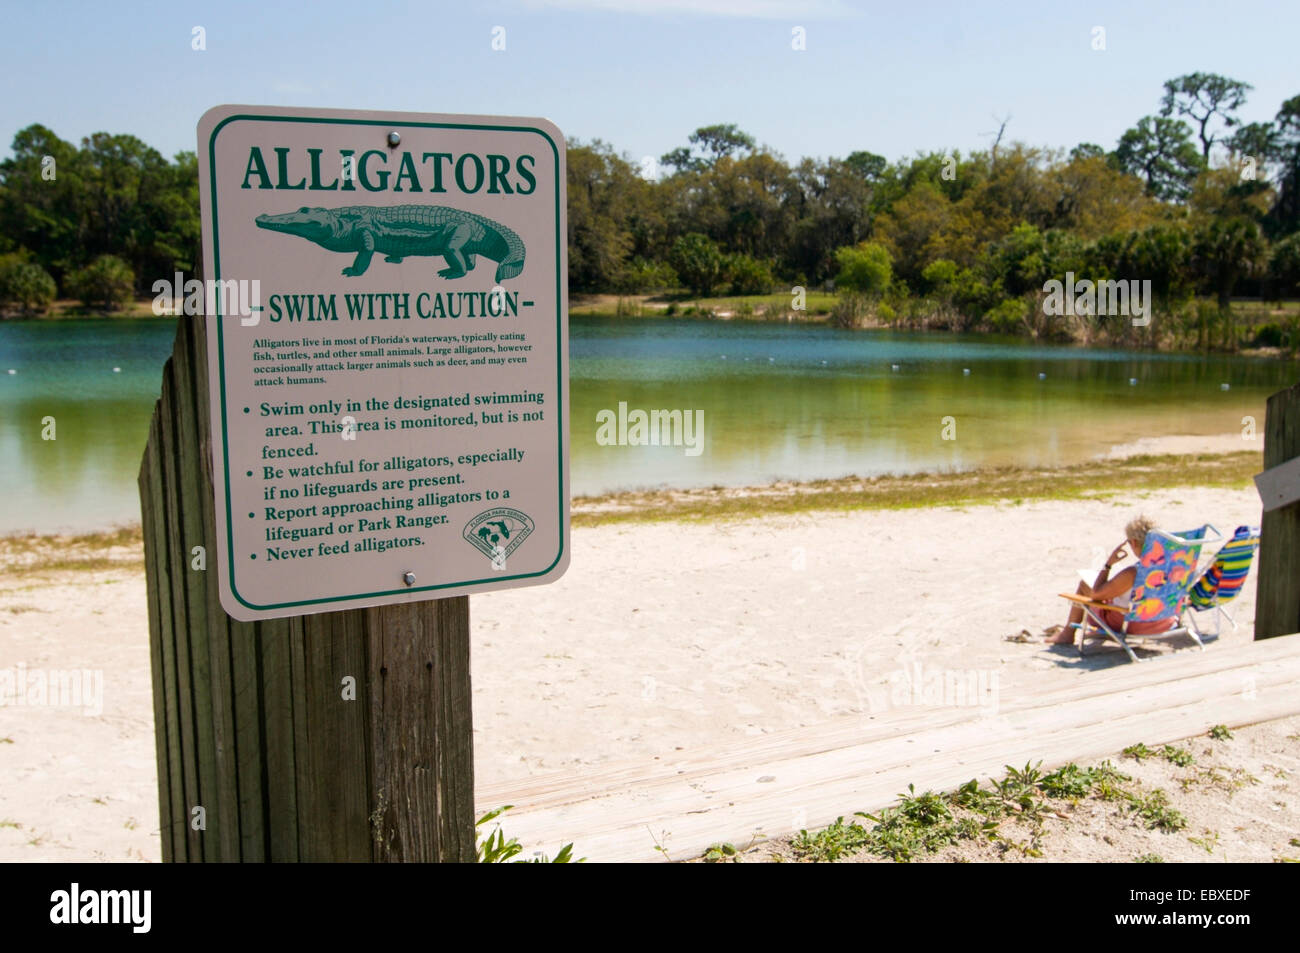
[1187, 444]
[661, 636]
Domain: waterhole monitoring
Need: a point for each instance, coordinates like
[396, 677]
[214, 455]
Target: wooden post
[1277, 604]
[262, 756]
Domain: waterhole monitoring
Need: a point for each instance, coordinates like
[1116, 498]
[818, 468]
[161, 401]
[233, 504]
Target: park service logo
[498, 532]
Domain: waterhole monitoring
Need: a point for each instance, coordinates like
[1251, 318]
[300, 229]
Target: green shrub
[972, 295]
[107, 283]
[1007, 317]
[1271, 335]
[939, 276]
[698, 262]
[849, 310]
[25, 287]
[1284, 266]
[866, 267]
[642, 277]
[749, 276]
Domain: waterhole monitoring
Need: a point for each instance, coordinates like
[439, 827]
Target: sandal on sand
[1023, 635]
[1052, 630]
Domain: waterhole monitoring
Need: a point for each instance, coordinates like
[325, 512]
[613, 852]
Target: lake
[777, 401]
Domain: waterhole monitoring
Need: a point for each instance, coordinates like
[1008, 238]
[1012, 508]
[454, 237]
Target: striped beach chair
[1166, 570]
[1223, 581]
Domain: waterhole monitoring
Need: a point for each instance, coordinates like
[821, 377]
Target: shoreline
[609, 306]
[767, 309]
[1151, 463]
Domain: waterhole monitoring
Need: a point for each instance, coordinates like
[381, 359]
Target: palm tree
[1226, 251]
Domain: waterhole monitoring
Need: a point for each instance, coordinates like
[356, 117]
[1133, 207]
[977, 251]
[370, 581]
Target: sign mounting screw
[408, 578]
[393, 140]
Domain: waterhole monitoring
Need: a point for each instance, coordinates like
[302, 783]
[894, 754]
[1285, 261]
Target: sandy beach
[662, 635]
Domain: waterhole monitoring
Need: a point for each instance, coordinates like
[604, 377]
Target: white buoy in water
[893, 367]
[1132, 382]
[1042, 376]
[771, 360]
[117, 370]
[965, 371]
[1221, 386]
[12, 371]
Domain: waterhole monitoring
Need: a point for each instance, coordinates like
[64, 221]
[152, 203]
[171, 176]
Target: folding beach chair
[1223, 581]
[1166, 570]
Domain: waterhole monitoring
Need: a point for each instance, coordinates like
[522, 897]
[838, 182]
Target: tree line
[1190, 198]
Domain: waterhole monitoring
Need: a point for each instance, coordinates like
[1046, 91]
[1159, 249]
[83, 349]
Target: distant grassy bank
[1262, 327]
[67, 309]
[1265, 329]
[816, 308]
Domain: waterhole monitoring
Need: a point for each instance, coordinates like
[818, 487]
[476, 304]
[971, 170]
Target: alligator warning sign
[388, 355]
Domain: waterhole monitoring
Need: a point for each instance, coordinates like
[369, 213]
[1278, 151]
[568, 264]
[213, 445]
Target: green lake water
[778, 401]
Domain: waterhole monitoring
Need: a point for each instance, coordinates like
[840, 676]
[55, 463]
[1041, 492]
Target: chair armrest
[1085, 601]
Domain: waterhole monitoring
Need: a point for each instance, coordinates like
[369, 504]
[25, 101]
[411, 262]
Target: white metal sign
[388, 362]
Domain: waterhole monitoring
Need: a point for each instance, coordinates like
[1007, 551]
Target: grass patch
[1208, 842]
[24, 555]
[1220, 779]
[1095, 480]
[1154, 811]
[682, 304]
[919, 824]
[832, 842]
[494, 848]
[1171, 753]
[1138, 752]
[1070, 782]
[1009, 812]
[65, 309]
[718, 853]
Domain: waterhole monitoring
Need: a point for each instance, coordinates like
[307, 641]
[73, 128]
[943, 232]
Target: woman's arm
[1112, 588]
[1117, 555]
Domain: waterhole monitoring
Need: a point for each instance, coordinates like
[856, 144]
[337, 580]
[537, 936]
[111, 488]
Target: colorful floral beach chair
[1166, 570]
[1223, 581]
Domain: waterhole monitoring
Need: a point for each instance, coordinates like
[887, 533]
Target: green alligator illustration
[396, 231]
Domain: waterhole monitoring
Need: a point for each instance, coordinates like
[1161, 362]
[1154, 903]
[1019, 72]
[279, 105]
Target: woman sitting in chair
[1114, 591]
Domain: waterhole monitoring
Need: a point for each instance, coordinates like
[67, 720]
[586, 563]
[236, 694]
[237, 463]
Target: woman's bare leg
[1066, 635]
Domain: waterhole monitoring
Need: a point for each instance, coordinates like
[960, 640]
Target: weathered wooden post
[1277, 604]
[309, 630]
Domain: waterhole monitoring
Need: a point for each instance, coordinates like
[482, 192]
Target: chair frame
[1218, 608]
[1191, 613]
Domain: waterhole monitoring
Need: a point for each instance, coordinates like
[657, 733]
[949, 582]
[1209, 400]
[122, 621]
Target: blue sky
[889, 77]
